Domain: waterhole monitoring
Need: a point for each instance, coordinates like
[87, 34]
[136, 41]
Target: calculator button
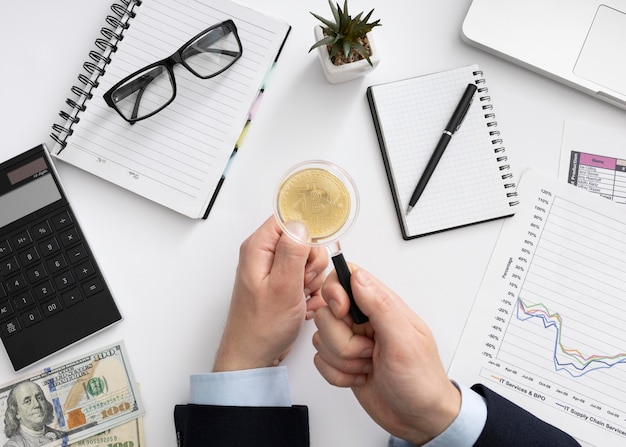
[29, 256]
[5, 309]
[71, 297]
[8, 266]
[84, 270]
[92, 287]
[23, 300]
[43, 290]
[41, 230]
[50, 246]
[64, 280]
[3, 293]
[69, 237]
[10, 327]
[36, 273]
[57, 263]
[51, 307]
[32, 317]
[77, 253]
[62, 220]
[16, 283]
[5, 248]
[21, 239]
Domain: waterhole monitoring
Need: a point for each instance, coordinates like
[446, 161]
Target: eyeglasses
[151, 89]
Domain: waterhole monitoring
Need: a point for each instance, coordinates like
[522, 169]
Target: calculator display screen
[35, 167]
[23, 198]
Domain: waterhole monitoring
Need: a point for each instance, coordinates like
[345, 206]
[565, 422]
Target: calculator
[52, 292]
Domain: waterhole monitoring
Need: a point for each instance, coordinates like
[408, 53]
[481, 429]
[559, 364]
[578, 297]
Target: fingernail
[307, 293]
[362, 278]
[367, 369]
[334, 306]
[366, 353]
[297, 230]
[310, 315]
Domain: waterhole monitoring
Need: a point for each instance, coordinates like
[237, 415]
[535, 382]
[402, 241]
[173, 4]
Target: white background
[172, 276]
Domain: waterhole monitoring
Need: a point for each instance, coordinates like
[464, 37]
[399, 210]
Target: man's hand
[274, 277]
[391, 363]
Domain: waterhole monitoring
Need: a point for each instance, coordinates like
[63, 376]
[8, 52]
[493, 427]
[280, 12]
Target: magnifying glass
[324, 198]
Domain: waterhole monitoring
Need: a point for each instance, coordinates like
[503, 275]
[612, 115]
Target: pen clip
[461, 109]
[464, 113]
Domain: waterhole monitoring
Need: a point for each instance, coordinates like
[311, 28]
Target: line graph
[571, 360]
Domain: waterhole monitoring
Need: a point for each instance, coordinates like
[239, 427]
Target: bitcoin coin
[317, 198]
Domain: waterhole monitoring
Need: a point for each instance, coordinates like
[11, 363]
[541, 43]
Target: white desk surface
[172, 276]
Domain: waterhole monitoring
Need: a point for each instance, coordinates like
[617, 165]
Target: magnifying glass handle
[343, 272]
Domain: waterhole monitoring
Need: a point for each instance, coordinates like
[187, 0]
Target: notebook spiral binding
[106, 45]
[499, 149]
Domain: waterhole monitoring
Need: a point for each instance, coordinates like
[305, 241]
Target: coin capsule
[317, 198]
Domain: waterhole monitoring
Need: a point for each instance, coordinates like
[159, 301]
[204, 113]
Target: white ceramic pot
[341, 73]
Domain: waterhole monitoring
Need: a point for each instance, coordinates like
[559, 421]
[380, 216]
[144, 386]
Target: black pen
[453, 126]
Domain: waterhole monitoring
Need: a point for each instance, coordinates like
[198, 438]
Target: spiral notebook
[180, 156]
[473, 181]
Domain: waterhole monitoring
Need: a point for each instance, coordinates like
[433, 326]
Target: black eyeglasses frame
[169, 63]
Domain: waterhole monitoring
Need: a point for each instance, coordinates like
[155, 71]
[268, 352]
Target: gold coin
[317, 198]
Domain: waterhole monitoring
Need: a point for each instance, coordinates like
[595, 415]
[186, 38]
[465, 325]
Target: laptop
[581, 43]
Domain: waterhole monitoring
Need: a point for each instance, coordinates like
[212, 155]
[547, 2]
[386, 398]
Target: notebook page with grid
[473, 181]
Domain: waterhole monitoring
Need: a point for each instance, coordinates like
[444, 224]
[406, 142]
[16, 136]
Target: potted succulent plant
[345, 44]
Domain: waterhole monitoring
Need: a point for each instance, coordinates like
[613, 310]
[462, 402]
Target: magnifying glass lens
[321, 196]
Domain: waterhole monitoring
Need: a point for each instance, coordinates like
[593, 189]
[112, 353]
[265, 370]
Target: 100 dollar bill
[66, 403]
[129, 434]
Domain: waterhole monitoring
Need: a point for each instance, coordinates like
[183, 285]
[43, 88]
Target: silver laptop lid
[581, 43]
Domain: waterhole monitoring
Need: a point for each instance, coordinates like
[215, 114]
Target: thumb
[383, 307]
[291, 256]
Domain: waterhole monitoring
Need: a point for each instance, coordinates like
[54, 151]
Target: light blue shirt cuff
[464, 430]
[261, 387]
[270, 387]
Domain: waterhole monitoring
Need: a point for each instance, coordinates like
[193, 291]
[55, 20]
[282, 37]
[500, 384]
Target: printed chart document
[594, 159]
[547, 327]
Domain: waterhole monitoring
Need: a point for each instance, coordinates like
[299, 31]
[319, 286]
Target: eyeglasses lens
[212, 52]
[145, 93]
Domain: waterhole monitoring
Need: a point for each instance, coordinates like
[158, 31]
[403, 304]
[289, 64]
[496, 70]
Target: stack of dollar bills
[91, 401]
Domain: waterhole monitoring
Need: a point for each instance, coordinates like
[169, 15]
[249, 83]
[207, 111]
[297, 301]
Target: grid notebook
[473, 181]
[180, 156]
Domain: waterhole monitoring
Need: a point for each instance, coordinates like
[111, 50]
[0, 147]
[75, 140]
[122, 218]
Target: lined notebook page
[178, 156]
[467, 185]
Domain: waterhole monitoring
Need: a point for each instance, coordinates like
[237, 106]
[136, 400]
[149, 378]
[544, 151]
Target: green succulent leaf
[325, 41]
[347, 48]
[336, 11]
[343, 32]
[335, 50]
[362, 51]
[328, 23]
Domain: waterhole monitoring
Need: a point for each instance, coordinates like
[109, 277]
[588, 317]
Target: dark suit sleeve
[511, 426]
[223, 426]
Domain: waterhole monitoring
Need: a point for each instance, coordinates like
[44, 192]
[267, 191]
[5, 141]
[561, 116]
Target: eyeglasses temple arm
[137, 101]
